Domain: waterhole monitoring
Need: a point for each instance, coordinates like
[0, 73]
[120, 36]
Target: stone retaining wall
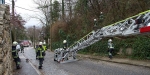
[6, 61]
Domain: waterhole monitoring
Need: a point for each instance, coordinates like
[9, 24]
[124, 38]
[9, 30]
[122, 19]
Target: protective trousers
[17, 62]
[36, 55]
[22, 50]
[110, 53]
[40, 63]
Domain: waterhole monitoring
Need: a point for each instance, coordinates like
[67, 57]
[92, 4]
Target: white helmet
[40, 43]
[15, 43]
[110, 40]
[44, 42]
[64, 41]
[94, 19]
[101, 12]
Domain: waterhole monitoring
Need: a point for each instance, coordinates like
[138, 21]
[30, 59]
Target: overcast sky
[27, 4]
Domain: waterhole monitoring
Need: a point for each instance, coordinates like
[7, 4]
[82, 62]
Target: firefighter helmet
[44, 42]
[110, 40]
[64, 41]
[94, 19]
[15, 43]
[40, 43]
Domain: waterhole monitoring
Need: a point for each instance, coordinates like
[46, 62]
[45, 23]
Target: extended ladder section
[134, 25]
[131, 26]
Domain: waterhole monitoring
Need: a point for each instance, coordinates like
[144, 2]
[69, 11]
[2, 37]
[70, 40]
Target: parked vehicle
[25, 43]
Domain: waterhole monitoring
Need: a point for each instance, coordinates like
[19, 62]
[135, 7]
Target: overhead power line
[21, 7]
[26, 9]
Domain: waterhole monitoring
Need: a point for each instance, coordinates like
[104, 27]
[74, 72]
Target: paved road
[81, 67]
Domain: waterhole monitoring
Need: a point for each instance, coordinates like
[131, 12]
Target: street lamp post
[34, 36]
[42, 35]
[15, 35]
[51, 37]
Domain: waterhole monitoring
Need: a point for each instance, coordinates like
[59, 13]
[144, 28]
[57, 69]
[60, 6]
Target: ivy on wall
[140, 46]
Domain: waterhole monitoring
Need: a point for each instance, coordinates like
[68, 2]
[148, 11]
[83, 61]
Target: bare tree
[45, 17]
[45, 8]
[30, 33]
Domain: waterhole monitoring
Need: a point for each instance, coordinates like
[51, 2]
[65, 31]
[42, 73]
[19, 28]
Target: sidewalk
[144, 63]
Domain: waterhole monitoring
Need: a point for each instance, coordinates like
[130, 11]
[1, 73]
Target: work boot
[36, 58]
[18, 67]
[40, 67]
[110, 56]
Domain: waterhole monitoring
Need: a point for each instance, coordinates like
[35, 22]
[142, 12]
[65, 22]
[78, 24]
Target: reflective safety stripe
[15, 53]
[41, 54]
[15, 56]
[44, 47]
[110, 45]
[36, 50]
[18, 63]
[109, 53]
[40, 50]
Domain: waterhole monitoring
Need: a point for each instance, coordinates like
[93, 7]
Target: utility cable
[22, 7]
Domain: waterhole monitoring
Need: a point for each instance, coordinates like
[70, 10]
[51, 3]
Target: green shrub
[140, 47]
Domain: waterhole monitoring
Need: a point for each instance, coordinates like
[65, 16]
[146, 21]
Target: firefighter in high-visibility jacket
[15, 55]
[36, 51]
[44, 47]
[40, 54]
[110, 48]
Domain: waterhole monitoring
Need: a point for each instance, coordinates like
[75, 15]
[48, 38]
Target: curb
[115, 60]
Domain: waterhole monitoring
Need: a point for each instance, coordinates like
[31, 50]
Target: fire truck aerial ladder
[138, 24]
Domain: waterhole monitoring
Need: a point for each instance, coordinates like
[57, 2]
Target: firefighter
[95, 25]
[36, 51]
[101, 17]
[110, 48]
[15, 55]
[65, 48]
[64, 44]
[22, 48]
[18, 47]
[44, 47]
[40, 55]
